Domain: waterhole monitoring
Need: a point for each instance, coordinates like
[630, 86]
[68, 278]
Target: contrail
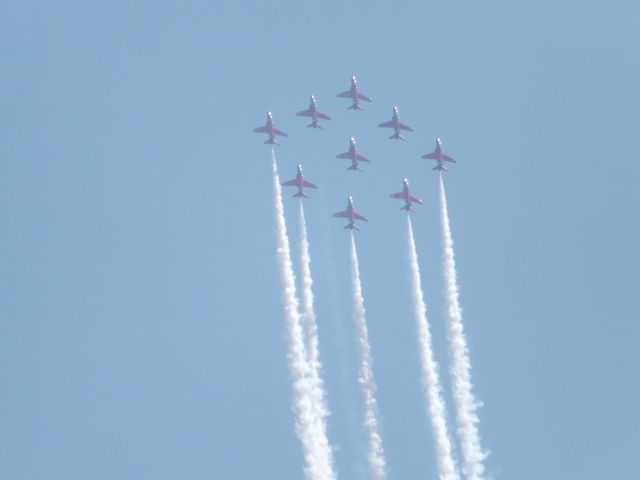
[315, 446]
[377, 465]
[435, 403]
[466, 404]
[311, 331]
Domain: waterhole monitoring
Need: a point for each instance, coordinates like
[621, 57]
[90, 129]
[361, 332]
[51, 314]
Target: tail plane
[407, 208]
[351, 226]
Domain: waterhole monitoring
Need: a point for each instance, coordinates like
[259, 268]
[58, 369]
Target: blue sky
[141, 330]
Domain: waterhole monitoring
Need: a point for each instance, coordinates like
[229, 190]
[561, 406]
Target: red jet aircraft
[406, 196]
[351, 214]
[354, 94]
[271, 130]
[396, 124]
[314, 113]
[299, 182]
[354, 156]
[439, 156]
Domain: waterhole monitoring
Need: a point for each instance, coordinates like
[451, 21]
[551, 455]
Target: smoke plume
[465, 402]
[377, 464]
[433, 392]
[315, 446]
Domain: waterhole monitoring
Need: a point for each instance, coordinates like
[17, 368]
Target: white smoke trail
[377, 464]
[311, 331]
[318, 465]
[435, 403]
[466, 404]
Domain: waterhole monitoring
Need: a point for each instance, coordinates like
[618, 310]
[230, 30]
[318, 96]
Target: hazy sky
[141, 326]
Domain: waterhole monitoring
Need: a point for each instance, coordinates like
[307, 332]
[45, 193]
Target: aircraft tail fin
[315, 124]
[397, 136]
[440, 168]
[300, 194]
[354, 168]
[355, 106]
[271, 141]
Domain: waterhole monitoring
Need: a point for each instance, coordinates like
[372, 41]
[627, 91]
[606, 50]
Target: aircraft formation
[355, 95]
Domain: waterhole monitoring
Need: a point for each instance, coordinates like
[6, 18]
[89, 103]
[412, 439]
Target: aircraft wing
[344, 155]
[344, 214]
[389, 124]
[362, 158]
[308, 184]
[448, 158]
[290, 183]
[397, 195]
[357, 216]
[277, 131]
[346, 94]
[414, 199]
[404, 126]
[361, 96]
[305, 113]
[322, 116]
[432, 155]
[261, 130]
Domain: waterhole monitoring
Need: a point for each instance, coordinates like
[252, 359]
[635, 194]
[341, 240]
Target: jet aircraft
[406, 196]
[299, 182]
[397, 125]
[439, 156]
[351, 214]
[314, 113]
[354, 156]
[271, 130]
[354, 94]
